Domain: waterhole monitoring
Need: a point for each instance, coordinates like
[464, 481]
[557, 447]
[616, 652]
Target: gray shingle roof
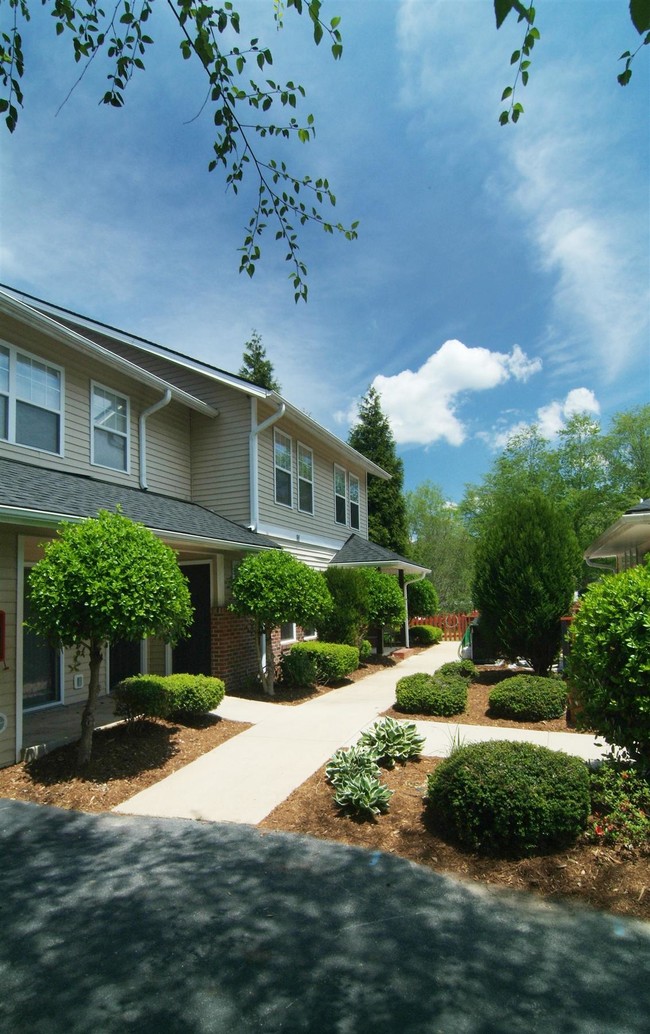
[358, 552]
[52, 492]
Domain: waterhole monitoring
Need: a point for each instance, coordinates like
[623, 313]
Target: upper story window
[354, 501]
[340, 495]
[282, 459]
[305, 479]
[110, 429]
[31, 401]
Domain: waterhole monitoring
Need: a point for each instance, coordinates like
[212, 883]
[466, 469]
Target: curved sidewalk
[246, 777]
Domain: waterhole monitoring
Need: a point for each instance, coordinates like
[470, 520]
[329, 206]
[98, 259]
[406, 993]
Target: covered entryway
[124, 660]
[193, 654]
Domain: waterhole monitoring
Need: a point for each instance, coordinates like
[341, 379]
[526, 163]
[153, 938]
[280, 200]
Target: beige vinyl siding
[321, 523]
[220, 458]
[155, 657]
[168, 437]
[8, 584]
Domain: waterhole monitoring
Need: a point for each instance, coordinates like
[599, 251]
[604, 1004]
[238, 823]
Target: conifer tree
[374, 439]
[255, 367]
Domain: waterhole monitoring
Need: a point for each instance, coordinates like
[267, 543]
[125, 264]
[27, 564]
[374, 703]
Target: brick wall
[233, 648]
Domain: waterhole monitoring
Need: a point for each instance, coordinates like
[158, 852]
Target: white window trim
[12, 398]
[292, 637]
[337, 495]
[288, 437]
[127, 436]
[308, 481]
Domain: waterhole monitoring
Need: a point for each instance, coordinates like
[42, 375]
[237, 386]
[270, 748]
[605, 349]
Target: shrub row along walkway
[244, 779]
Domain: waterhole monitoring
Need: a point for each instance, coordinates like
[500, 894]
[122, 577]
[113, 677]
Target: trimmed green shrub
[333, 660]
[141, 696]
[424, 635]
[528, 698]
[365, 650]
[299, 669]
[609, 663]
[348, 618]
[193, 694]
[464, 667]
[508, 798]
[389, 741]
[431, 694]
[422, 598]
[620, 806]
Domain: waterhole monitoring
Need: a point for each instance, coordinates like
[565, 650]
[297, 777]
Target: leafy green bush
[353, 761]
[464, 667]
[333, 660]
[299, 669]
[347, 620]
[424, 635]
[193, 694]
[389, 741]
[141, 696]
[431, 694]
[363, 794]
[528, 698]
[620, 806]
[365, 650]
[609, 663]
[422, 598]
[501, 797]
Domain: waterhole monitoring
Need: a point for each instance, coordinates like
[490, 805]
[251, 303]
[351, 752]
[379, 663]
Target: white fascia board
[632, 529]
[300, 538]
[396, 565]
[34, 318]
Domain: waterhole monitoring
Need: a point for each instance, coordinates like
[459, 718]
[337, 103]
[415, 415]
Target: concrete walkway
[244, 779]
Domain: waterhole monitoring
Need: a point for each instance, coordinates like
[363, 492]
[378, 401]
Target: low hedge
[333, 660]
[161, 696]
[507, 798]
[528, 698]
[424, 635]
[431, 694]
[464, 667]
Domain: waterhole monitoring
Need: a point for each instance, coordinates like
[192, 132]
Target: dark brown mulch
[291, 695]
[124, 761]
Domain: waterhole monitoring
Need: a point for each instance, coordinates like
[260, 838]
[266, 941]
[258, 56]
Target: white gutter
[256, 430]
[146, 413]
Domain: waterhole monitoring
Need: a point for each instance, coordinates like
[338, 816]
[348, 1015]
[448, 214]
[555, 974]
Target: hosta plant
[389, 741]
[363, 794]
[350, 762]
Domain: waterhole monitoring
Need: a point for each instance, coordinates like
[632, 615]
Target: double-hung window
[305, 479]
[354, 501]
[282, 459]
[340, 495]
[31, 401]
[110, 429]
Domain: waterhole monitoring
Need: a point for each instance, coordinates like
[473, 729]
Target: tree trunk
[268, 673]
[88, 716]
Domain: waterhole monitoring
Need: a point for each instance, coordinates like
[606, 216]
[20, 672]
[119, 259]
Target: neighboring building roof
[94, 334]
[631, 531]
[37, 495]
[358, 552]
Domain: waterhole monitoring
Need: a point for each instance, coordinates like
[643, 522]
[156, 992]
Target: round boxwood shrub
[424, 635]
[528, 698]
[141, 696]
[193, 694]
[464, 667]
[506, 798]
[333, 660]
[431, 694]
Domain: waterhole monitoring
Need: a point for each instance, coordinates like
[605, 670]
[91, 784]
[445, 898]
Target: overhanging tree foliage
[256, 368]
[372, 437]
[274, 587]
[102, 581]
[527, 564]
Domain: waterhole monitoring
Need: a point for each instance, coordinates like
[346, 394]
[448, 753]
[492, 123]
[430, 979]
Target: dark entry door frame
[194, 654]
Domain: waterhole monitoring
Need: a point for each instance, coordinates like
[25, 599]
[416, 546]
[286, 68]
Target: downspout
[144, 416]
[256, 430]
[407, 636]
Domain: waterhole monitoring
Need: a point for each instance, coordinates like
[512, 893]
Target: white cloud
[550, 419]
[422, 404]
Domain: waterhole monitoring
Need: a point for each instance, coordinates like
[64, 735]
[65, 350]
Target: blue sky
[501, 276]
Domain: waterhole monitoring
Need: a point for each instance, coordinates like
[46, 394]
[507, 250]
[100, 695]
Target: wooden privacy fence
[453, 626]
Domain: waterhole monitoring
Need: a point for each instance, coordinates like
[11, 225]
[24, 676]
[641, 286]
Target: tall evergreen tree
[373, 438]
[255, 367]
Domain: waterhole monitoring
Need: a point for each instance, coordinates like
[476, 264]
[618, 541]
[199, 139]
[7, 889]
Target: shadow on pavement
[115, 924]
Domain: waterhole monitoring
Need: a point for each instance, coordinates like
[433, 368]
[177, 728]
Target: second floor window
[340, 495]
[305, 479]
[31, 401]
[282, 458]
[354, 501]
[110, 429]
